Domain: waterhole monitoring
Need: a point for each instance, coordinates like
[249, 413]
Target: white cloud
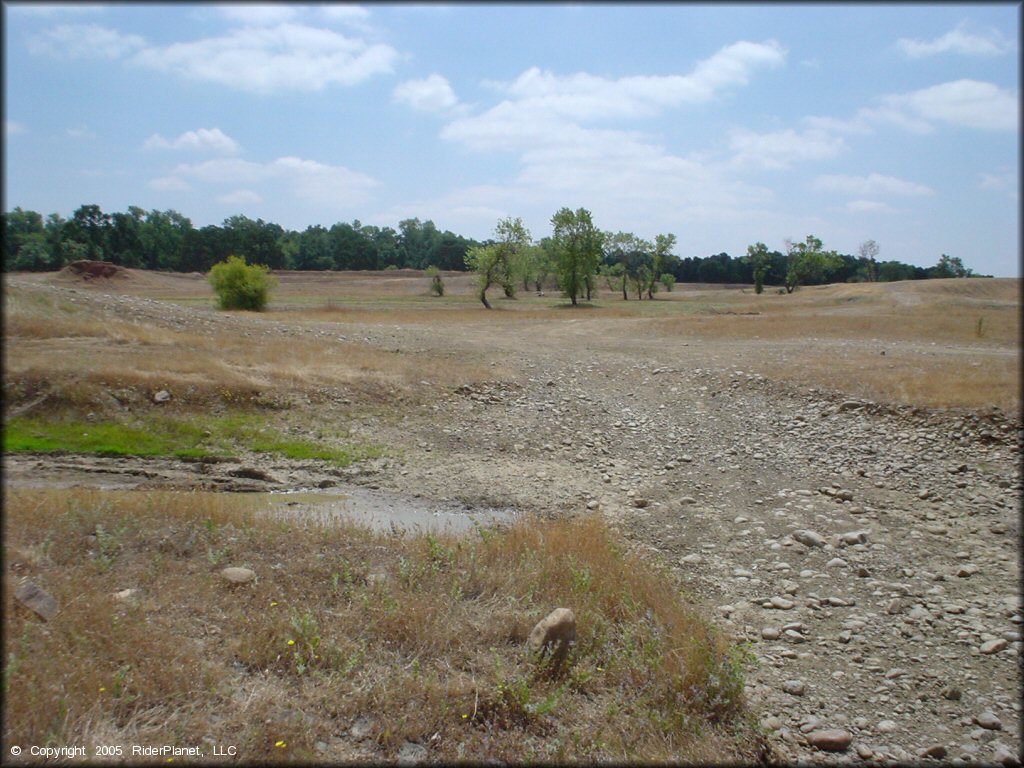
[80, 132]
[583, 96]
[268, 59]
[780, 149]
[259, 14]
[432, 94]
[1005, 182]
[240, 197]
[968, 103]
[201, 140]
[169, 184]
[309, 181]
[873, 184]
[956, 41]
[52, 9]
[73, 41]
[868, 206]
[12, 127]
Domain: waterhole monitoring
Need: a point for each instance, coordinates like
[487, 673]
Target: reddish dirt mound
[92, 270]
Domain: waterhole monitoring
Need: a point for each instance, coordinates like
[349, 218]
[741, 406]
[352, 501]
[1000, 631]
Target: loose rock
[830, 740]
[238, 575]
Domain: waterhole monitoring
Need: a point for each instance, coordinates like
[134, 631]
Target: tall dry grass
[422, 634]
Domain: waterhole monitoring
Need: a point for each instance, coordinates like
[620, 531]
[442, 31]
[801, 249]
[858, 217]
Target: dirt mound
[86, 269]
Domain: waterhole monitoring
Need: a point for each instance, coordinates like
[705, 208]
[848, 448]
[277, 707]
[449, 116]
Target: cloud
[80, 132]
[52, 9]
[201, 140]
[287, 57]
[967, 103]
[868, 206]
[582, 96]
[169, 184]
[432, 94]
[1006, 182]
[260, 14]
[12, 127]
[873, 184]
[545, 109]
[74, 41]
[956, 41]
[780, 149]
[309, 181]
[240, 197]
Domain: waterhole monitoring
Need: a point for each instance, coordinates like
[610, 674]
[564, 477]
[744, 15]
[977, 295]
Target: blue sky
[723, 124]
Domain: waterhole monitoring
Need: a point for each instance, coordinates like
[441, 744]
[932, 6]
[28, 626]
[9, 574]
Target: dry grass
[433, 652]
[81, 356]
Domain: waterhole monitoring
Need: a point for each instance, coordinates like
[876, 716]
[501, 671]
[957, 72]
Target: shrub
[239, 285]
[436, 282]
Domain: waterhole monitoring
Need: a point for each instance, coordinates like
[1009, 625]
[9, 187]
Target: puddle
[382, 511]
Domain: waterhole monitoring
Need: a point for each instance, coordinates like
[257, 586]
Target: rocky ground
[868, 555]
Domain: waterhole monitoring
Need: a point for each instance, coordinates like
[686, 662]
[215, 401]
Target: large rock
[553, 635]
[37, 600]
[809, 538]
[238, 575]
[830, 740]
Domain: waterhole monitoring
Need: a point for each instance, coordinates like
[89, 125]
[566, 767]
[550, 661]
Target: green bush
[436, 282]
[239, 285]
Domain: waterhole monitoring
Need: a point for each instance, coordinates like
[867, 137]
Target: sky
[723, 124]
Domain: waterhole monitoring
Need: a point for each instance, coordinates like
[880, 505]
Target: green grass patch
[222, 437]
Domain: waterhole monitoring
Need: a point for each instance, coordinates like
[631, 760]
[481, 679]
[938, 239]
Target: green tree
[496, 262]
[758, 259]
[809, 263]
[634, 255]
[869, 251]
[949, 266]
[241, 286]
[578, 246]
[663, 245]
[667, 279]
[21, 228]
[89, 226]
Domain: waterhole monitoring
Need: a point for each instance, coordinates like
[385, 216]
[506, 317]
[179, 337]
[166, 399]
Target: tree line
[621, 261]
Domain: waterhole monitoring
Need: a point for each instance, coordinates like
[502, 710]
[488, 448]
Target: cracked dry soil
[868, 555]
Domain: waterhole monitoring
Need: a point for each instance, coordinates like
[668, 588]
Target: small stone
[886, 726]
[794, 687]
[37, 600]
[836, 562]
[770, 633]
[989, 721]
[554, 634]
[687, 500]
[361, 728]
[809, 538]
[844, 495]
[593, 504]
[993, 646]
[951, 694]
[163, 396]
[238, 575]
[640, 502]
[411, 753]
[690, 559]
[968, 570]
[126, 595]
[935, 751]
[830, 740]
[853, 537]
[771, 723]
[781, 603]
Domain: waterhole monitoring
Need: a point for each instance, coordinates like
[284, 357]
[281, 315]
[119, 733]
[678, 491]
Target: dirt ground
[865, 547]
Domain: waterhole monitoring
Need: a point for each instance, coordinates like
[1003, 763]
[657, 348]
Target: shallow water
[382, 511]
